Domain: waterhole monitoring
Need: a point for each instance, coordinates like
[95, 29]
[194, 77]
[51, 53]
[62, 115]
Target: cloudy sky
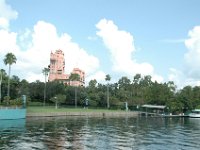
[116, 37]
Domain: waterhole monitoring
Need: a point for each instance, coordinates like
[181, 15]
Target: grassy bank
[49, 109]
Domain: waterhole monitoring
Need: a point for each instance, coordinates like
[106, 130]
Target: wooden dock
[149, 114]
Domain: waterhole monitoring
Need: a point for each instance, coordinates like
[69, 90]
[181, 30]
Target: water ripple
[102, 133]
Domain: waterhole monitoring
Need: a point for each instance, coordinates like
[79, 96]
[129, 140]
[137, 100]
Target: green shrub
[35, 104]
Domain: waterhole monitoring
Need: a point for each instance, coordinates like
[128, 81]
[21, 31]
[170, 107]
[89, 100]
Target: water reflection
[9, 130]
[195, 123]
[102, 133]
[12, 124]
[55, 133]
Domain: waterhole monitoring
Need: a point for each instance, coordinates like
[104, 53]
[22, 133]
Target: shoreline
[87, 114]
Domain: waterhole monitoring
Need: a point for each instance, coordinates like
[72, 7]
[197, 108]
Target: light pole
[56, 102]
[75, 97]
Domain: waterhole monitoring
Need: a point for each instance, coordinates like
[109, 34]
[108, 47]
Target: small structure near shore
[157, 111]
[9, 113]
[153, 110]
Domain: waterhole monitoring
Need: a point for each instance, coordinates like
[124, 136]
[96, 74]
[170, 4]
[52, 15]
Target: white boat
[195, 113]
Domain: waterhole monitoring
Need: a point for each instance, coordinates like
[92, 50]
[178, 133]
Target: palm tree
[45, 71]
[74, 77]
[108, 78]
[9, 59]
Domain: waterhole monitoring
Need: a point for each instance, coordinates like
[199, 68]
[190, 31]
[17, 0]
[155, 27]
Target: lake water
[100, 133]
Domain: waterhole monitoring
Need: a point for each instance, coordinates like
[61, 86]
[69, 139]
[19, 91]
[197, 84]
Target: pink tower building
[57, 66]
[81, 74]
[57, 70]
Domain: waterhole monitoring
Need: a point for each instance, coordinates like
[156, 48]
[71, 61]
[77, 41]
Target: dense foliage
[136, 91]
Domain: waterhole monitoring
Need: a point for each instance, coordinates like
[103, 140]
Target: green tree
[93, 84]
[136, 87]
[185, 97]
[158, 94]
[124, 92]
[74, 77]
[14, 86]
[145, 84]
[92, 92]
[69, 91]
[24, 87]
[108, 78]
[54, 88]
[3, 86]
[195, 101]
[9, 59]
[58, 99]
[35, 89]
[45, 71]
[136, 90]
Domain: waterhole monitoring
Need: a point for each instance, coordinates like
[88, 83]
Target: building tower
[57, 66]
[81, 74]
[57, 70]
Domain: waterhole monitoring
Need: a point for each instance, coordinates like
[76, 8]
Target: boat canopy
[154, 106]
[196, 110]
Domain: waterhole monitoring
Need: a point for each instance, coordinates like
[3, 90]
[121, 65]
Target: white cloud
[6, 14]
[4, 22]
[121, 47]
[25, 39]
[157, 78]
[99, 76]
[192, 57]
[181, 80]
[44, 39]
[7, 41]
[191, 73]
[177, 77]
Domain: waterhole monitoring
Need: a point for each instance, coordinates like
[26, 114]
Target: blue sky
[116, 37]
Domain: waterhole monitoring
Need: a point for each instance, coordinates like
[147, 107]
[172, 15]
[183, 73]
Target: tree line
[136, 91]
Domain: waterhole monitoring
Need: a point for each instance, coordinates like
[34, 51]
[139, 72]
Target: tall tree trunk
[108, 101]
[75, 97]
[8, 92]
[44, 91]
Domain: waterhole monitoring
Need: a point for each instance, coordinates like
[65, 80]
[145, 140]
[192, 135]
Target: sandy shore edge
[88, 114]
